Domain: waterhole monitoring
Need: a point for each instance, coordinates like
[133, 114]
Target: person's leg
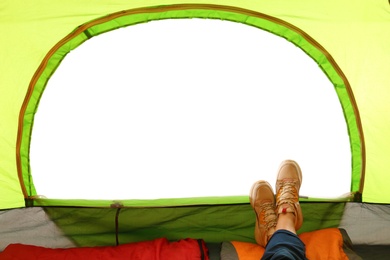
[286, 221]
[278, 223]
[284, 245]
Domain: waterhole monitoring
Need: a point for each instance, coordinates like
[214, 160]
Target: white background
[187, 108]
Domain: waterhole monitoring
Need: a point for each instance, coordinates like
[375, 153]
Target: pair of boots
[268, 207]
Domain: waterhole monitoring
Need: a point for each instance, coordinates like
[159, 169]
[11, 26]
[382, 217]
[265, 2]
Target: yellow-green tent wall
[353, 38]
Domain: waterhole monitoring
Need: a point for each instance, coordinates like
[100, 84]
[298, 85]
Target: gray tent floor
[368, 226]
[30, 226]
[372, 252]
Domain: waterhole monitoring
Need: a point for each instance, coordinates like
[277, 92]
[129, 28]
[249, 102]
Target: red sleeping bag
[158, 249]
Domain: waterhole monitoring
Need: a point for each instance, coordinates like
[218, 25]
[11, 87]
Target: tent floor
[372, 252]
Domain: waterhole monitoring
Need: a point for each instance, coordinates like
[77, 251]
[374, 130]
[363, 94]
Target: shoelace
[268, 209]
[287, 194]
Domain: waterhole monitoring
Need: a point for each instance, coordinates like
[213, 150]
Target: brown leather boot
[288, 184]
[262, 200]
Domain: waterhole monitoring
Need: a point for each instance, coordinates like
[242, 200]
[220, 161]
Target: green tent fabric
[213, 224]
[350, 42]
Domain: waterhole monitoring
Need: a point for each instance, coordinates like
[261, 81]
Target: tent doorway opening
[186, 108]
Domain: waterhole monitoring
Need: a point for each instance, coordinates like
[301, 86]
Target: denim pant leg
[284, 245]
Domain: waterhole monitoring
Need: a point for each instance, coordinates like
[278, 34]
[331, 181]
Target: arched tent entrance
[131, 17]
[211, 101]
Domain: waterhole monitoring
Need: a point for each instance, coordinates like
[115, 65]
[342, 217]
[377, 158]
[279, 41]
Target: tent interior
[158, 135]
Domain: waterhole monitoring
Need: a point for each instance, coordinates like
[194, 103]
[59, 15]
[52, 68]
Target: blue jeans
[284, 245]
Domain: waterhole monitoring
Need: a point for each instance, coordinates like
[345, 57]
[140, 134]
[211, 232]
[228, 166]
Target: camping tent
[349, 41]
